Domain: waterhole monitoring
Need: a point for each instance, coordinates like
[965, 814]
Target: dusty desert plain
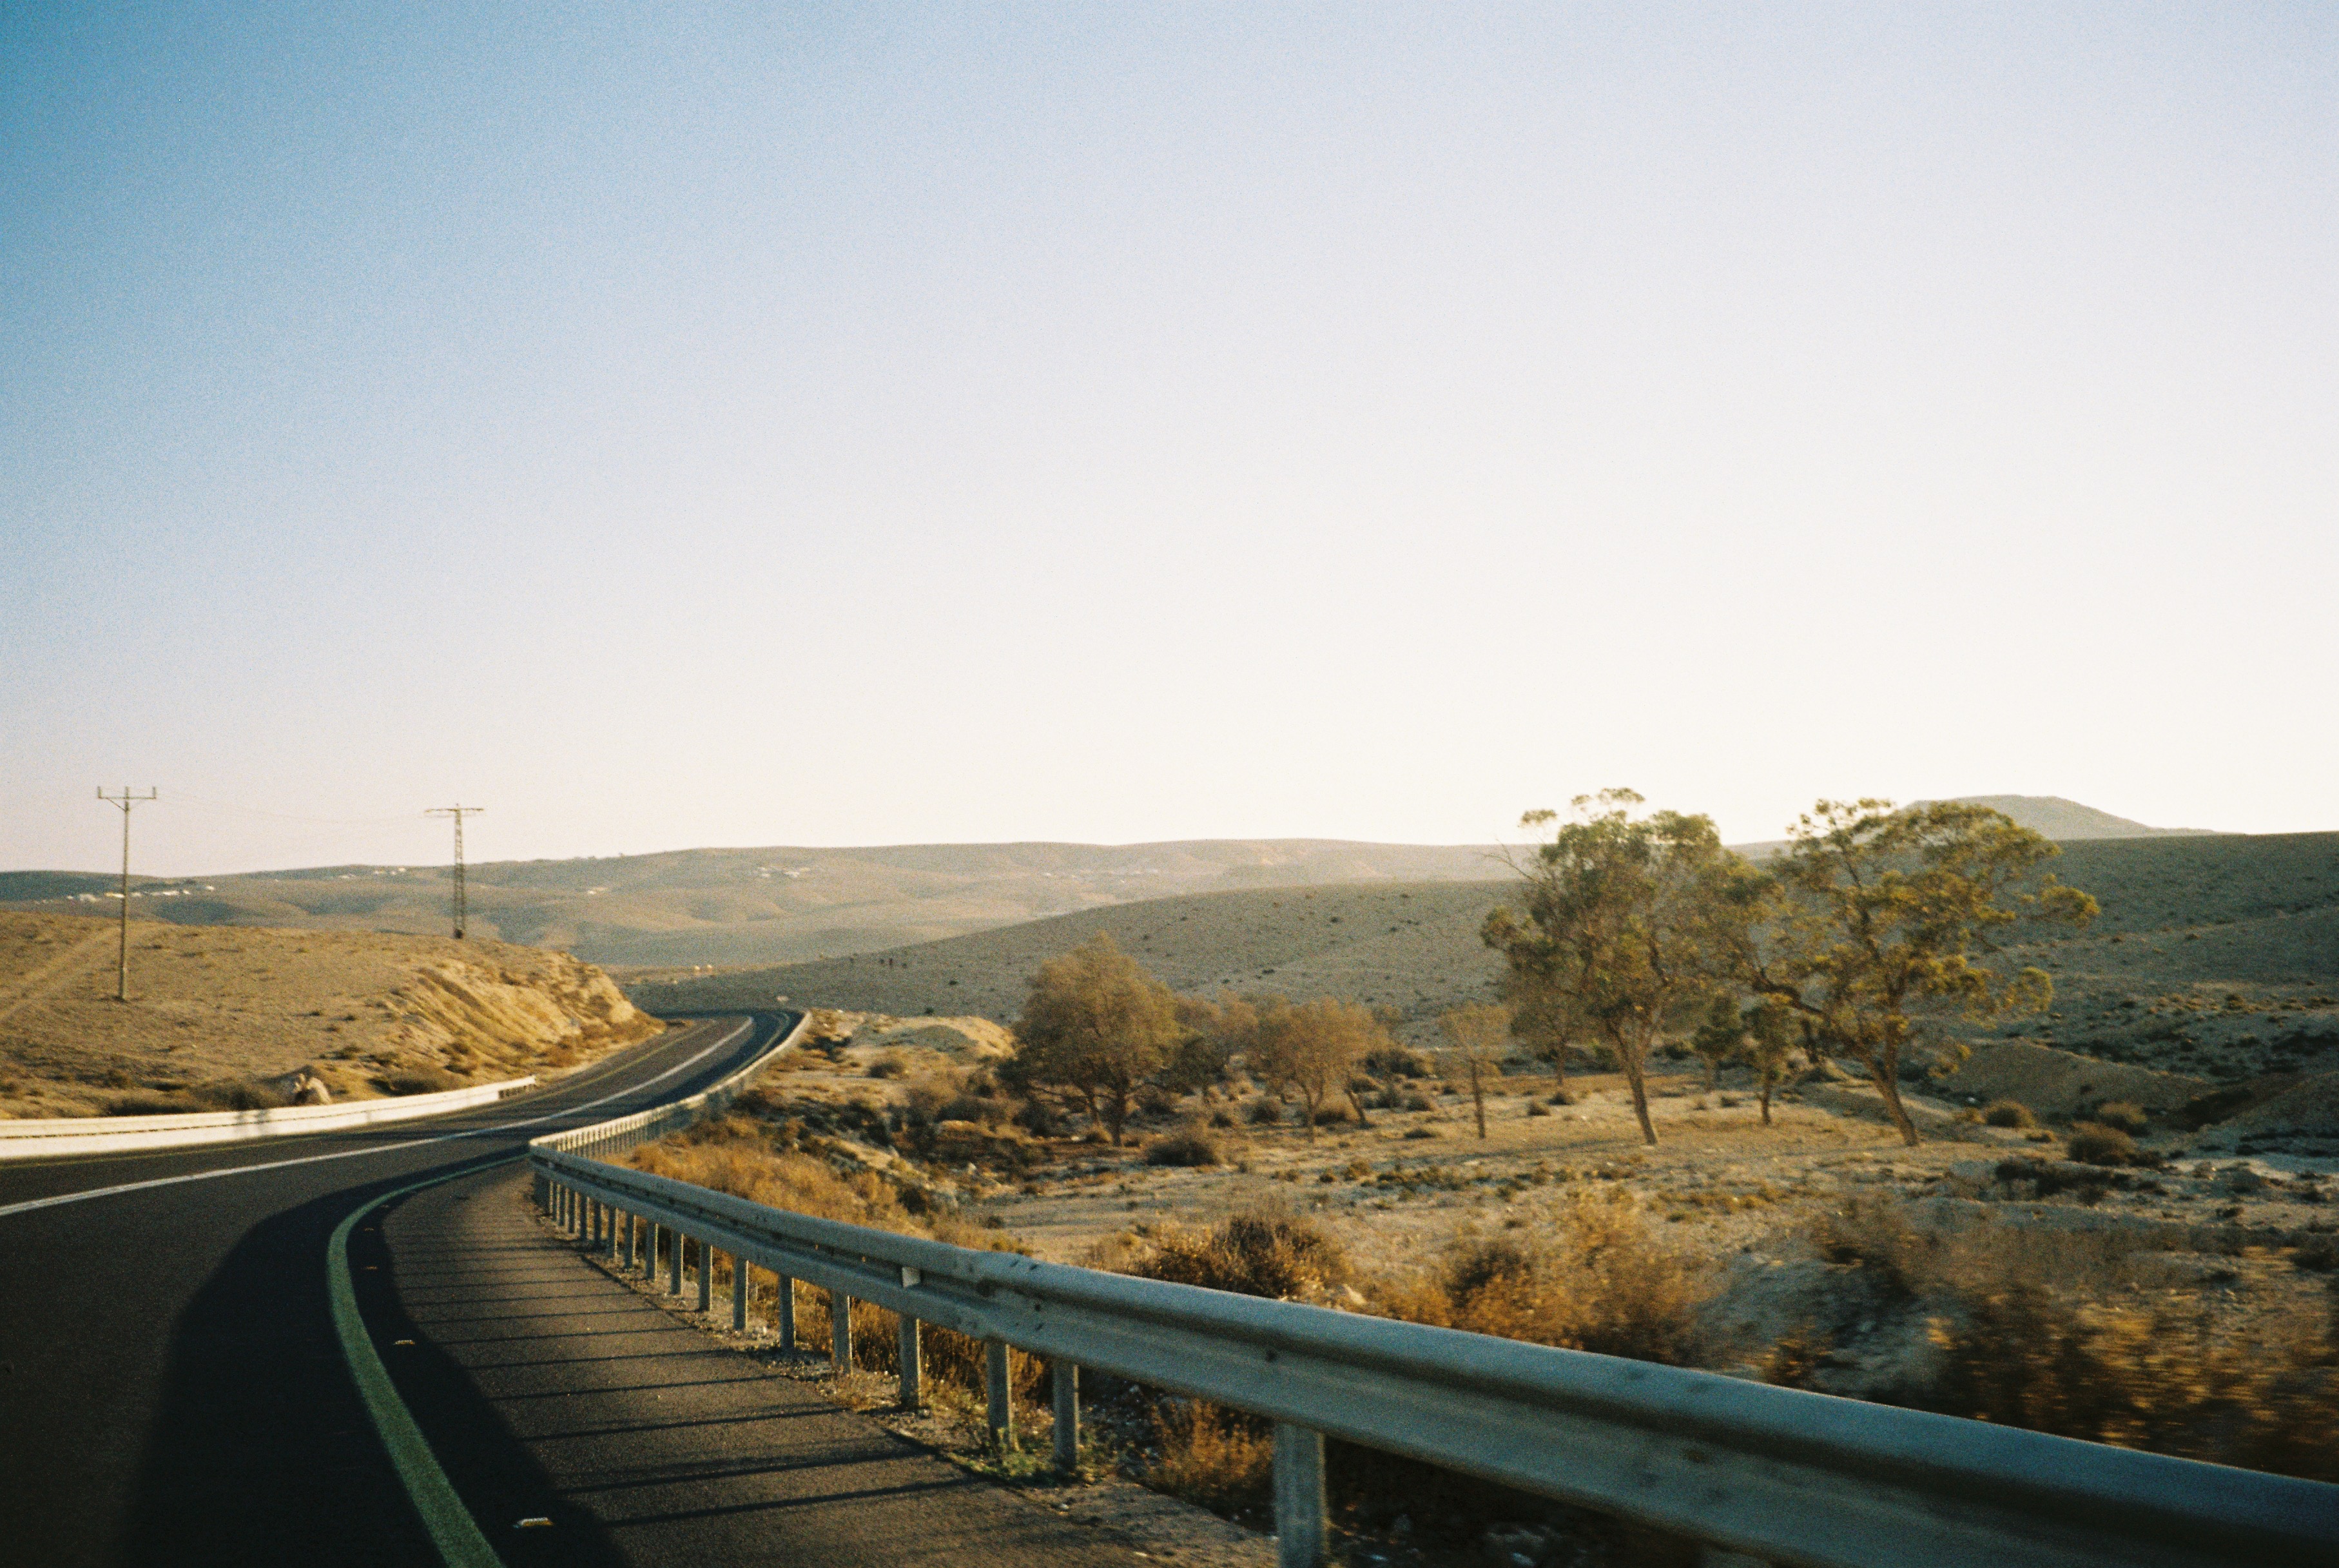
[2173, 1291]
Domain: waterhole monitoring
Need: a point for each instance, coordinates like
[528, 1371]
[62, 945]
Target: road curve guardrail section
[51, 1138]
[1784, 1475]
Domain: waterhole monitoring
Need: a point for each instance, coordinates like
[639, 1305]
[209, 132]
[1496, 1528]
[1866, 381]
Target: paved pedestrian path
[550, 1391]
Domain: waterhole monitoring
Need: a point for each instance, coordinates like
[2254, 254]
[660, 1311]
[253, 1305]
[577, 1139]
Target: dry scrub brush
[733, 1155]
[1598, 1280]
[2080, 1334]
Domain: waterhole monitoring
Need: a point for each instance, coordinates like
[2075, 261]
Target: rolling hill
[784, 904]
[733, 906]
[2218, 953]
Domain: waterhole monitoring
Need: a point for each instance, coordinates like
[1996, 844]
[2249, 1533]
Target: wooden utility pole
[458, 813]
[125, 799]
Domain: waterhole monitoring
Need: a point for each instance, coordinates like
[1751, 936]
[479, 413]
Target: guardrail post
[1066, 1376]
[706, 1277]
[739, 1285]
[787, 1294]
[674, 1244]
[625, 1242]
[998, 1394]
[839, 1330]
[1298, 1497]
[914, 1365]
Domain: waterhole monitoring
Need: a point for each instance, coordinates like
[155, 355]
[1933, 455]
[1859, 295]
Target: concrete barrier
[55, 1136]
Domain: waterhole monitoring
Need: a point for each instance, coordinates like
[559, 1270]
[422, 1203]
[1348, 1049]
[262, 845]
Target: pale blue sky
[926, 423]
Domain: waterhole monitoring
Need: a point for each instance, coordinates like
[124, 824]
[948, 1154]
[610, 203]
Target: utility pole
[458, 813]
[125, 799]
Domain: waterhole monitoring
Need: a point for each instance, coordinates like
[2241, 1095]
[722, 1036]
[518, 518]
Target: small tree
[1720, 1036]
[1476, 1033]
[1315, 1048]
[1635, 920]
[1096, 1027]
[1772, 1038]
[1545, 1018]
[1882, 916]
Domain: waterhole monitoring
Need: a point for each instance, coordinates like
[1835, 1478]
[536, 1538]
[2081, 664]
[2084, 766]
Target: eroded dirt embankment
[216, 1012]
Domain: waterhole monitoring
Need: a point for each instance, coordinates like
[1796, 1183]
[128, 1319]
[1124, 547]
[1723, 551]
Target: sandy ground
[209, 1005]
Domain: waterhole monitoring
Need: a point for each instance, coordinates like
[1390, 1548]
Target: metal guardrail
[53, 1136]
[1784, 1475]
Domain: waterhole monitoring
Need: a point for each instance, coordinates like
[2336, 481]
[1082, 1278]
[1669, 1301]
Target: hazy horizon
[1005, 424]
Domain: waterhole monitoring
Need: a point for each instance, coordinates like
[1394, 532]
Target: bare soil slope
[372, 1013]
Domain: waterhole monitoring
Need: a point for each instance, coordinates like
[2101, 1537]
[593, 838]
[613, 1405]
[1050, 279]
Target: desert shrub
[1601, 1282]
[944, 1357]
[2048, 1178]
[2008, 1113]
[891, 1064]
[1040, 1118]
[983, 1112]
[1332, 1115]
[1415, 1102]
[730, 1155]
[1188, 1148]
[1398, 1061]
[1538, 1107]
[2092, 1143]
[237, 1094]
[1876, 1233]
[1250, 1255]
[2146, 1375]
[412, 1080]
[1220, 1120]
[2122, 1115]
[1421, 1133]
[1562, 1098]
[146, 1102]
[1219, 1459]
[1264, 1113]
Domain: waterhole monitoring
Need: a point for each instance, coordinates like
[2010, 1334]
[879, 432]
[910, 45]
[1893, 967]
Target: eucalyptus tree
[1096, 1028]
[1633, 921]
[1886, 920]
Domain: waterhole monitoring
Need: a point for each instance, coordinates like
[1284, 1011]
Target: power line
[458, 813]
[125, 799]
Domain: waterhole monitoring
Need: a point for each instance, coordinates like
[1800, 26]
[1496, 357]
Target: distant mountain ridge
[2067, 819]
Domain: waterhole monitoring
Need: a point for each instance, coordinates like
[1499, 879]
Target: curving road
[172, 1388]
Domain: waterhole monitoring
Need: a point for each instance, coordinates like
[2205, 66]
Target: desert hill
[2216, 955]
[216, 1007]
[2066, 820]
[730, 906]
[786, 904]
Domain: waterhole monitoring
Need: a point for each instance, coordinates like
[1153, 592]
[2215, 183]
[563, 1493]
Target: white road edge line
[31, 1204]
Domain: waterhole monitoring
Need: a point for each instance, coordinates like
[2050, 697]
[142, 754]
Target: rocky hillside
[214, 1011]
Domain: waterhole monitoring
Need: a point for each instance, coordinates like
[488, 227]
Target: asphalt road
[171, 1389]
